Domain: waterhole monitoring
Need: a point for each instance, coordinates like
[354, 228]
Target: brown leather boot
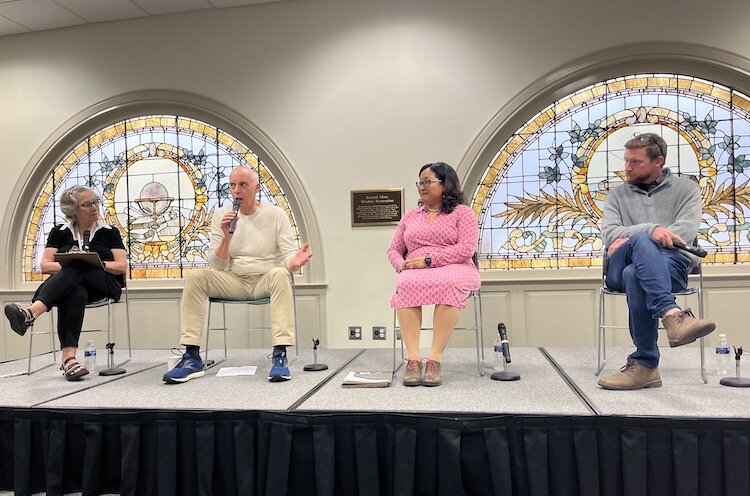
[412, 373]
[432, 375]
[632, 376]
[683, 328]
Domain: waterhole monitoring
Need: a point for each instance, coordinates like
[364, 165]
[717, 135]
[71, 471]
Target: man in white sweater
[642, 221]
[253, 261]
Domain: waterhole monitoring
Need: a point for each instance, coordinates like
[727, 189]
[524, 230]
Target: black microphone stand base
[111, 369]
[735, 382]
[315, 366]
[505, 376]
[106, 372]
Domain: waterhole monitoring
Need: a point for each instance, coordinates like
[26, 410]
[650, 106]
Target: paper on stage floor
[236, 371]
[367, 379]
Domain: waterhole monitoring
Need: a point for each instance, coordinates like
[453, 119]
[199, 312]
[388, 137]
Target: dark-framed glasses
[89, 204]
[648, 139]
[425, 183]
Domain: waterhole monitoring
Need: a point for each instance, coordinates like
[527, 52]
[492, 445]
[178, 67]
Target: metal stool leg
[127, 321]
[396, 334]
[294, 309]
[208, 331]
[601, 339]
[478, 332]
[31, 341]
[224, 326]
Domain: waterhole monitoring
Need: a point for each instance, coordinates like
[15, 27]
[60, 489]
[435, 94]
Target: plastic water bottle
[499, 358]
[723, 355]
[89, 356]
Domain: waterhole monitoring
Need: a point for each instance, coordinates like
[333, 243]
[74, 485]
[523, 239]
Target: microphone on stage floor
[235, 209]
[86, 239]
[695, 250]
[504, 341]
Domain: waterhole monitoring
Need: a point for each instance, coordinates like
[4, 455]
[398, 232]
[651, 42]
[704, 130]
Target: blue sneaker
[188, 368]
[279, 366]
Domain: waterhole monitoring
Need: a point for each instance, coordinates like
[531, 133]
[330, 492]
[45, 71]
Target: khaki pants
[200, 284]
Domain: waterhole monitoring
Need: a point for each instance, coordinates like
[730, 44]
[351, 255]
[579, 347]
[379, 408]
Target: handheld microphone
[695, 250]
[505, 374]
[235, 209]
[86, 238]
[504, 341]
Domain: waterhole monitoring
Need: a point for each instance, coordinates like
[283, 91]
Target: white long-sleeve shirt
[260, 242]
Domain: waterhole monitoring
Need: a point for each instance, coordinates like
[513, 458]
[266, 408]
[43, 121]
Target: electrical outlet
[397, 331]
[378, 332]
[355, 332]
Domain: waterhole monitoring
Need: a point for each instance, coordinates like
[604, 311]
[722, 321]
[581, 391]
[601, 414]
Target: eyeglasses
[89, 204]
[425, 183]
[649, 139]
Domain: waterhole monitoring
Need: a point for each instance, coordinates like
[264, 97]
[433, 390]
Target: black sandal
[72, 369]
[20, 318]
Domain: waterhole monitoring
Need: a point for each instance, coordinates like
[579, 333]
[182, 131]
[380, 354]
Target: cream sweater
[260, 242]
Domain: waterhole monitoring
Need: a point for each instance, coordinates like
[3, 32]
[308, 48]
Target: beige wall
[358, 94]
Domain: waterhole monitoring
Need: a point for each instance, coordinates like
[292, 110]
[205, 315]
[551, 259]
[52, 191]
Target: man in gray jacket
[642, 220]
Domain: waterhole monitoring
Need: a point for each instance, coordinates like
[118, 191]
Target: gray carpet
[48, 383]
[147, 390]
[539, 391]
[682, 394]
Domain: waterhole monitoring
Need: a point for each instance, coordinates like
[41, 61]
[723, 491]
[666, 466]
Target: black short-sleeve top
[105, 239]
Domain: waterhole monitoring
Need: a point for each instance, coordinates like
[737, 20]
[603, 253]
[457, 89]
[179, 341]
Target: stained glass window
[160, 178]
[541, 197]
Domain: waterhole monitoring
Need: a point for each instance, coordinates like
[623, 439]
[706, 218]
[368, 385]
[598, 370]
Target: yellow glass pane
[573, 155]
[162, 144]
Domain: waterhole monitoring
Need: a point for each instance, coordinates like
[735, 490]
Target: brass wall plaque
[377, 207]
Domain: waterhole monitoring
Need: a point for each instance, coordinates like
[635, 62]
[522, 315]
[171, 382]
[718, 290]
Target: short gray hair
[69, 200]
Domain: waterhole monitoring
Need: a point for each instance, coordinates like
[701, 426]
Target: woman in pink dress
[432, 251]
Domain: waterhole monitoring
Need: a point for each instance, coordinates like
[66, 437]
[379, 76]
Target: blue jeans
[648, 274]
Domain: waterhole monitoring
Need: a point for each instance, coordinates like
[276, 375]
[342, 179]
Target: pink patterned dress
[450, 240]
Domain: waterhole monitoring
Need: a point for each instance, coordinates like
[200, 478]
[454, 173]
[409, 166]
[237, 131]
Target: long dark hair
[452, 194]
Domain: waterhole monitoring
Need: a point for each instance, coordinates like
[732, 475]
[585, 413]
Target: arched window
[541, 197]
[160, 178]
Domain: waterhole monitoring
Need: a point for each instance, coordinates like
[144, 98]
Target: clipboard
[90, 257]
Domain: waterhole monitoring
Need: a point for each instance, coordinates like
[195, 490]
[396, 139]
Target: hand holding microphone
[235, 209]
[664, 236]
[695, 250]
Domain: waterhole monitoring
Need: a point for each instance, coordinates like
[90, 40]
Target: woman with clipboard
[74, 280]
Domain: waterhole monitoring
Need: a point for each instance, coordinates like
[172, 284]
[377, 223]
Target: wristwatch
[428, 260]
